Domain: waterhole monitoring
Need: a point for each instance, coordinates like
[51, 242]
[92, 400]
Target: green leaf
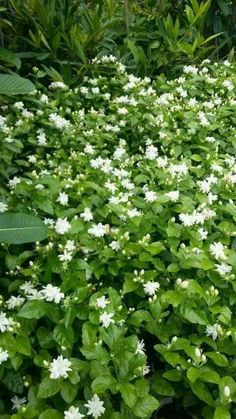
[129, 286]
[145, 407]
[103, 383]
[155, 248]
[173, 375]
[51, 414]
[21, 228]
[202, 392]
[68, 391]
[222, 412]
[162, 387]
[14, 382]
[48, 388]
[12, 84]
[218, 358]
[194, 315]
[63, 336]
[128, 393]
[34, 309]
[10, 57]
[22, 345]
[204, 373]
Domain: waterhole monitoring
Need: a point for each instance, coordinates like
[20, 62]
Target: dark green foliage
[62, 37]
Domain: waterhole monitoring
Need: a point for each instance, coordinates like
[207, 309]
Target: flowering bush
[128, 305]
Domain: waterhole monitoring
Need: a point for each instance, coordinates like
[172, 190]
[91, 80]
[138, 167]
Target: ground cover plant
[129, 304]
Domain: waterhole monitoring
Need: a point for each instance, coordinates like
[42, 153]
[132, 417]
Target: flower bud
[198, 353]
[227, 391]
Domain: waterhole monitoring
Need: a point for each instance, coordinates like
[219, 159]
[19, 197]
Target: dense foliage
[129, 304]
[61, 37]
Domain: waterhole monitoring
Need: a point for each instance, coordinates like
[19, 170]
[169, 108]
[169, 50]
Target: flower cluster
[135, 181]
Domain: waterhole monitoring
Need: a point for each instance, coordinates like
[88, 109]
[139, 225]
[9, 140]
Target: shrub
[62, 37]
[129, 304]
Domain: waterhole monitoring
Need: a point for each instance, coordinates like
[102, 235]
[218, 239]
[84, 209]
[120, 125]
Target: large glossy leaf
[12, 84]
[21, 228]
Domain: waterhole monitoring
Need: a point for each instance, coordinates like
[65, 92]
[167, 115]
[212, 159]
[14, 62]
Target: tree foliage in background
[62, 37]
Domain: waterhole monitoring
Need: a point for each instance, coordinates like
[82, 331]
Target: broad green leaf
[173, 375]
[218, 358]
[68, 391]
[222, 412]
[204, 373]
[12, 84]
[161, 386]
[35, 309]
[145, 407]
[202, 392]
[128, 393]
[21, 228]
[63, 336]
[51, 414]
[103, 383]
[48, 388]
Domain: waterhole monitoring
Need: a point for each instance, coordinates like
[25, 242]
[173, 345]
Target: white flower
[173, 195]
[89, 149]
[151, 152]
[62, 225]
[32, 159]
[35, 295]
[118, 153]
[106, 319]
[48, 221]
[63, 198]
[133, 213]
[14, 302]
[59, 367]
[115, 245]
[3, 356]
[204, 186]
[58, 85]
[5, 323]
[223, 269]
[217, 250]
[65, 257]
[14, 182]
[178, 169]
[27, 287]
[3, 207]
[187, 219]
[102, 302]
[203, 233]
[228, 85]
[17, 402]
[98, 230]
[73, 413]
[70, 245]
[52, 293]
[44, 98]
[59, 122]
[146, 369]
[150, 287]
[18, 105]
[140, 348]
[95, 406]
[86, 215]
[150, 196]
[213, 330]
